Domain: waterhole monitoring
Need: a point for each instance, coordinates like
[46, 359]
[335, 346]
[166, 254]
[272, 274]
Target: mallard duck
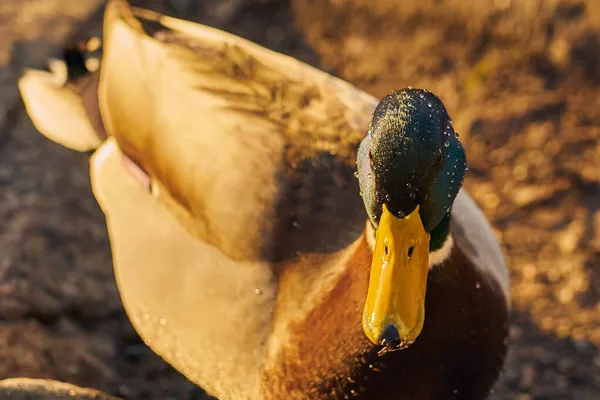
[276, 232]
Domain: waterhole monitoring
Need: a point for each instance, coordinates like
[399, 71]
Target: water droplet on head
[258, 291]
[446, 144]
[477, 285]
[388, 197]
[413, 195]
[429, 105]
[356, 174]
[295, 224]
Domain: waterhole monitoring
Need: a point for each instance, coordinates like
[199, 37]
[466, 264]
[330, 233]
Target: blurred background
[521, 79]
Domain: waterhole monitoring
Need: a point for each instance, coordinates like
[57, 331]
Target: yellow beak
[396, 295]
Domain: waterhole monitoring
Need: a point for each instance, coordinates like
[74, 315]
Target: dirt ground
[521, 79]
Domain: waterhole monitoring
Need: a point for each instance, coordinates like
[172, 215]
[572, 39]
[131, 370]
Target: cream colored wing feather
[56, 110]
[208, 316]
[238, 139]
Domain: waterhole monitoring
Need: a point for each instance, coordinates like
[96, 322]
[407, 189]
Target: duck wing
[254, 151]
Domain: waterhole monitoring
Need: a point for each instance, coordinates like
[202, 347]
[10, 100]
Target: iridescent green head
[411, 156]
[411, 166]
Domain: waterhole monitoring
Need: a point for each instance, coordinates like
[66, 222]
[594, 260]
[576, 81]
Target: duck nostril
[390, 337]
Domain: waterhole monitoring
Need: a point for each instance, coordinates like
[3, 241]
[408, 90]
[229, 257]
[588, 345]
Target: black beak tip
[390, 337]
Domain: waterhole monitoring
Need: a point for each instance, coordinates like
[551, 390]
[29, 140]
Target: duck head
[411, 166]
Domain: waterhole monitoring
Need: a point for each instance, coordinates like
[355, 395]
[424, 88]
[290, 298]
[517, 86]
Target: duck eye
[410, 250]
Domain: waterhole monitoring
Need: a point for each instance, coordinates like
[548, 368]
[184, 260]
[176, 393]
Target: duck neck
[327, 334]
[439, 234]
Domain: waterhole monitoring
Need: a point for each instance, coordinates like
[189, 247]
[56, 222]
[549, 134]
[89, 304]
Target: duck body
[241, 246]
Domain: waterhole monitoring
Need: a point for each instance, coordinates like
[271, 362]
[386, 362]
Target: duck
[276, 232]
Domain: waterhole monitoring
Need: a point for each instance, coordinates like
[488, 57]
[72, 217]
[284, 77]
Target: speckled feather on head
[411, 156]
